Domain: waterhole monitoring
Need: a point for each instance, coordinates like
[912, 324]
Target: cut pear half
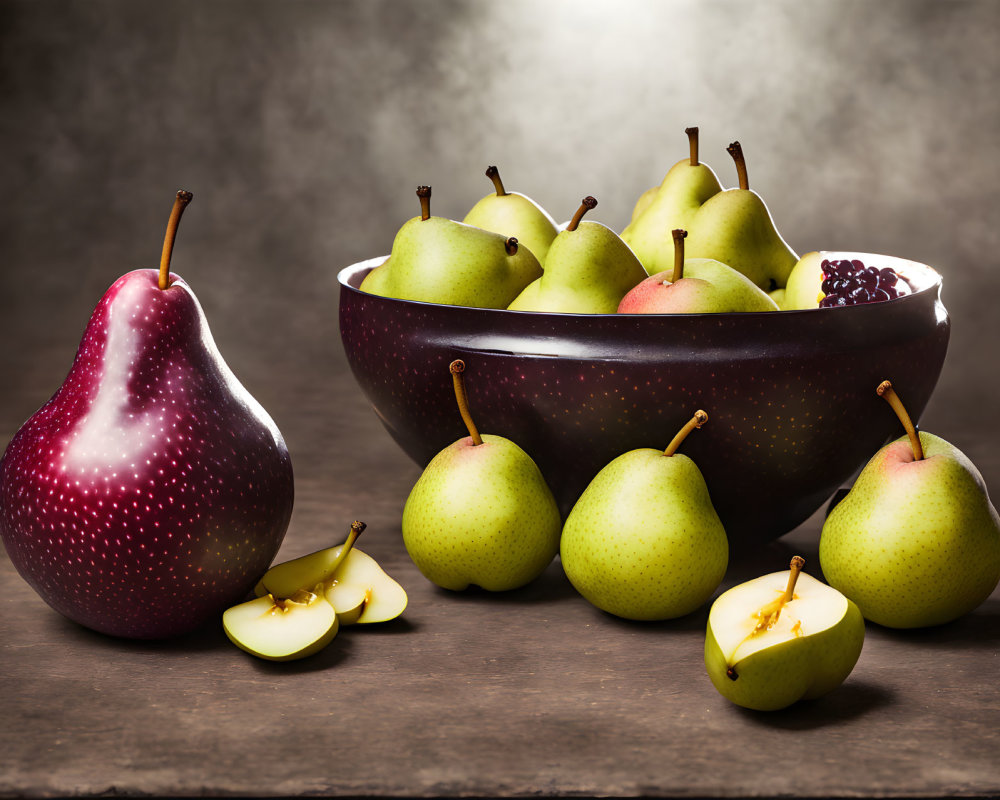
[736, 620]
[282, 630]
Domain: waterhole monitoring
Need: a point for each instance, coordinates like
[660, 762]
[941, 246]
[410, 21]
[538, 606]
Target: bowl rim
[922, 277]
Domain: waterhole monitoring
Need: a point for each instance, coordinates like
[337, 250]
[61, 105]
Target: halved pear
[352, 581]
[781, 638]
[282, 630]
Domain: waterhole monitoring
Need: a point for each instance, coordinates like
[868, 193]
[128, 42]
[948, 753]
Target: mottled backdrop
[303, 127]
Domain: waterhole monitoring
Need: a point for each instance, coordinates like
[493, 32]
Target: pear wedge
[282, 630]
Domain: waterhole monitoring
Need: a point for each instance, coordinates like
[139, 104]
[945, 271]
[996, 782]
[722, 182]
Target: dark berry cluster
[848, 282]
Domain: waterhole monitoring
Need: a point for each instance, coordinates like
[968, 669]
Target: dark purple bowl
[790, 395]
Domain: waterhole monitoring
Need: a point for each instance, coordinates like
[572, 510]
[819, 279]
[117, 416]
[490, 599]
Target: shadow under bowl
[790, 395]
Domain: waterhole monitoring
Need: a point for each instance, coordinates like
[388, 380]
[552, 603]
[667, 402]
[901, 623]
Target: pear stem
[887, 393]
[679, 235]
[494, 175]
[180, 203]
[457, 367]
[424, 193]
[796, 565]
[585, 205]
[699, 419]
[511, 246]
[692, 134]
[736, 151]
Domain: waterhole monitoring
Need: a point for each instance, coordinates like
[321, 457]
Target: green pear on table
[481, 512]
[514, 214]
[438, 260]
[781, 638]
[350, 580]
[685, 188]
[735, 227]
[695, 286]
[643, 202]
[644, 542]
[916, 541]
[588, 270]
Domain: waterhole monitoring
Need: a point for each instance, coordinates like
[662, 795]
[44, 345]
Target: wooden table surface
[526, 693]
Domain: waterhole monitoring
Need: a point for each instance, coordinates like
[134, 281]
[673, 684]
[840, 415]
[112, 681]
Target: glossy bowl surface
[790, 395]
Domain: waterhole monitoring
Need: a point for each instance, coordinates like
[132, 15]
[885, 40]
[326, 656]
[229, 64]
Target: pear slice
[282, 630]
[781, 638]
[382, 598]
[351, 580]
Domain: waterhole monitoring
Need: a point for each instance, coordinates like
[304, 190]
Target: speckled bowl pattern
[790, 395]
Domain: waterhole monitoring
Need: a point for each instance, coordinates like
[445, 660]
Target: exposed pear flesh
[282, 630]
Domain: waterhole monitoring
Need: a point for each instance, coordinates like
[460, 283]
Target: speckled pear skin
[514, 214]
[152, 490]
[587, 271]
[575, 392]
[643, 542]
[672, 205]
[483, 515]
[438, 260]
[799, 669]
[736, 228]
[914, 543]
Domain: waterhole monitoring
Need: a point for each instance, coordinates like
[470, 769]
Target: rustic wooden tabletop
[526, 693]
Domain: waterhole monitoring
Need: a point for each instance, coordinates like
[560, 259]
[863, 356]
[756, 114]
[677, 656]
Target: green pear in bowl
[481, 512]
[805, 281]
[588, 270]
[643, 542]
[781, 638]
[350, 580]
[695, 286]
[916, 541]
[514, 214]
[438, 260]
[735, 227]
[685, 188]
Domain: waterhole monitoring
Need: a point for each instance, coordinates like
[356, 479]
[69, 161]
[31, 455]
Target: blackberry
[848, 282]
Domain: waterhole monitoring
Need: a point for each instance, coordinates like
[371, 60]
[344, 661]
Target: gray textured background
[302, 128]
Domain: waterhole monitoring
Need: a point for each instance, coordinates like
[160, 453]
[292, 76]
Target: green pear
[916, 542]
[481, 512]
[695, 286]
[644, 542]
[781, 638]
[514, 214]
[643, 202]
[736, 228]
[350, 580]
[778, 296]
[684, 190]
[588, 270]
[805, 281]
[282, 629]
[437, 260]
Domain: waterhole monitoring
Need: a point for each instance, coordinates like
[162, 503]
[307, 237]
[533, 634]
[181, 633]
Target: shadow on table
[978, 630]
[853, 700]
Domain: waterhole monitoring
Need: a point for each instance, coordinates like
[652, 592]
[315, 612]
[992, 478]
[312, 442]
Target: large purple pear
[152, 490]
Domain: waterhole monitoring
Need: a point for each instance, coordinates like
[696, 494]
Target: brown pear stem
[692, 134]
[457, 367]
[699, 419]
[424, 193]
[494, 175]
[180, 203]
[736, 151]
[585, 205]
[798, 562]
[357, 528]
[887, 393]
[679, 235]
[511, 246]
